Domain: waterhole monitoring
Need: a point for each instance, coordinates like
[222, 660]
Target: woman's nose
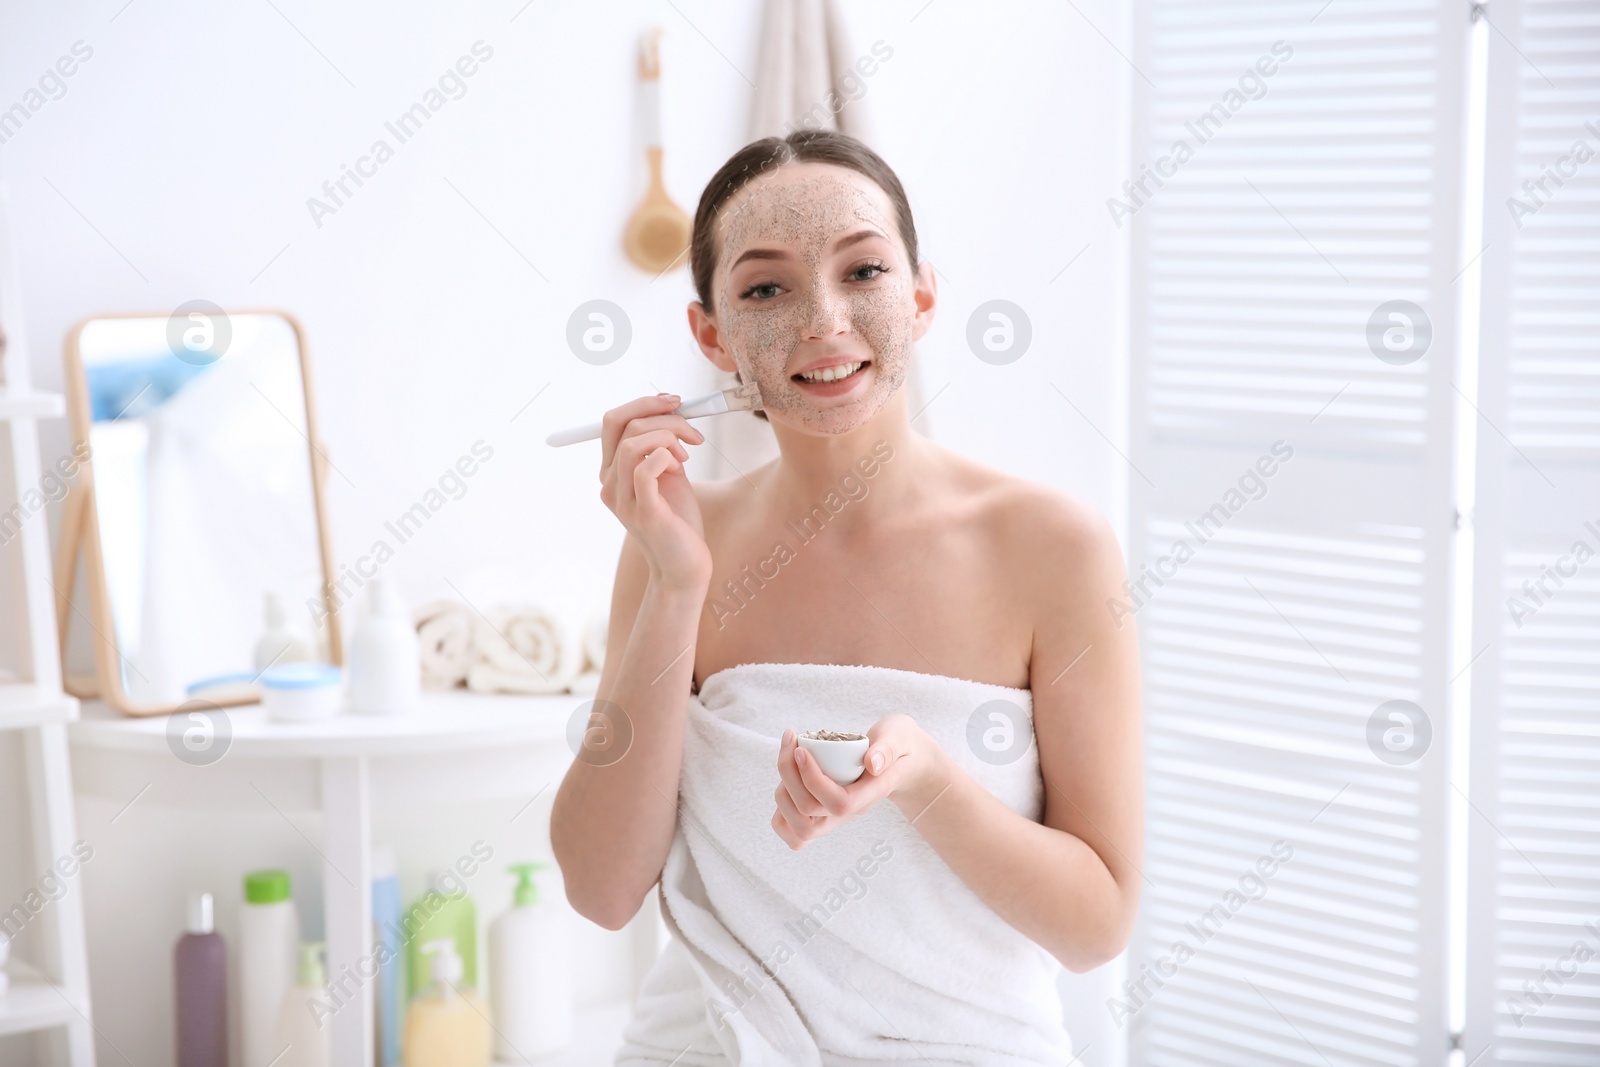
[827, 313]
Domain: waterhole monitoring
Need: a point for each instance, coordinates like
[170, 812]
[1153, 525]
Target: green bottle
[435, 915]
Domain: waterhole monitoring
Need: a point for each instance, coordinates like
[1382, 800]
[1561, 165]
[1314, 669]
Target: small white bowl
[843, 761]
[300, 692]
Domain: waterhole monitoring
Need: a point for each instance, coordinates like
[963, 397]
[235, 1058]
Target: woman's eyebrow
[856, 238]
[760, 253]
[779, 253]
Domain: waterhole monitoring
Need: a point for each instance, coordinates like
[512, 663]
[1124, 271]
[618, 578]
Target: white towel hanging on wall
[804, 55]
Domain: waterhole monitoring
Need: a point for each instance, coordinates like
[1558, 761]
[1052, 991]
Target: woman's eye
[867, 271]
[763, 291]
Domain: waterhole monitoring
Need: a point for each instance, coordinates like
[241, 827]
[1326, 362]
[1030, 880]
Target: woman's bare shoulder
[1011, 501]
[1038, 528]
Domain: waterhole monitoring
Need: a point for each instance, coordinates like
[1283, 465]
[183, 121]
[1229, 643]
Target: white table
[458, 747]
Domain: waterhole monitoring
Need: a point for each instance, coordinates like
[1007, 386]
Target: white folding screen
[1294, 206]
[1533, 975]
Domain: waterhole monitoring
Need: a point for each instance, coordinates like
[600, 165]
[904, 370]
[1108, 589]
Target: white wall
[179, 161]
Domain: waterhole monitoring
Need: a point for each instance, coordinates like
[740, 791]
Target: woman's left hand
[901, 761]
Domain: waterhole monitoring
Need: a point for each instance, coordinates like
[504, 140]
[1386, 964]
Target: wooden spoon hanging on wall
[657, 235]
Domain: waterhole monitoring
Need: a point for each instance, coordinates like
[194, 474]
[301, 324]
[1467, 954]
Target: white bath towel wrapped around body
[864, 947]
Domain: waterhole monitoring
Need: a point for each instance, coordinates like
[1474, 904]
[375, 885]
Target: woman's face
[812, 273]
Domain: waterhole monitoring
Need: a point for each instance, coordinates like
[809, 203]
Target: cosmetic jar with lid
[300, 692]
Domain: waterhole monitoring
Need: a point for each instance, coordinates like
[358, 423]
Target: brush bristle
[746, 397]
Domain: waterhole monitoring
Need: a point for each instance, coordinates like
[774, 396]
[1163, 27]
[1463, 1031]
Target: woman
[868, 580]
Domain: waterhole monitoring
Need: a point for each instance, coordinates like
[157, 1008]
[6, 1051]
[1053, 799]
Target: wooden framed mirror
[199, 512]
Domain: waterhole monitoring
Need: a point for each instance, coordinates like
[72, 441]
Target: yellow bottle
[446, 1025]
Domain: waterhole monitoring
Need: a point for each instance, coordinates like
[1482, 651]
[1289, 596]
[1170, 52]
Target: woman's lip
[837, 387]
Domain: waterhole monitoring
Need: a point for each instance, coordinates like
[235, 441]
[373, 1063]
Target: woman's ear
[708, 337]
[926, 297]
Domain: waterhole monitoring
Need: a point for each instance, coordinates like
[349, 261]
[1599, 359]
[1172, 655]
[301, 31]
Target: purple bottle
[200, 988]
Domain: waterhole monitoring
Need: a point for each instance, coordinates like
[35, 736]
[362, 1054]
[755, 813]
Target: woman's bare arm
[612, 822]
[615, 813]
[1071, 883]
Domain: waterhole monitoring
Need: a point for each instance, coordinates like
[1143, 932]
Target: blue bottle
[389, 1004]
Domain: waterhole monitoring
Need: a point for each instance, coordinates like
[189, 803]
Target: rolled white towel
[445, 642]
[525, 648]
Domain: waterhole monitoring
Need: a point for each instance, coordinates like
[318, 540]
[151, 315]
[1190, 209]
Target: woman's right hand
[643, 482]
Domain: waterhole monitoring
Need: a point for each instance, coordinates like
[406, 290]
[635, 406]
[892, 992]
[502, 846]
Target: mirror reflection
[204, 499]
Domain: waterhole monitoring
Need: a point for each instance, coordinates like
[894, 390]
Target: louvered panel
[1336, 157]
[1534, 884]
[1336, 933]
[1279, 609]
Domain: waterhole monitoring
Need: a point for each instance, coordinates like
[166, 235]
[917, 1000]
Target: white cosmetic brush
[744, 397]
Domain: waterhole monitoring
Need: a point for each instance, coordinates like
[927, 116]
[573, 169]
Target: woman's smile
[836, 379]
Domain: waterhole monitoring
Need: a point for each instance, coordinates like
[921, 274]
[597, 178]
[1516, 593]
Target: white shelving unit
[458, 747]
[27, 404]
[52, 992]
